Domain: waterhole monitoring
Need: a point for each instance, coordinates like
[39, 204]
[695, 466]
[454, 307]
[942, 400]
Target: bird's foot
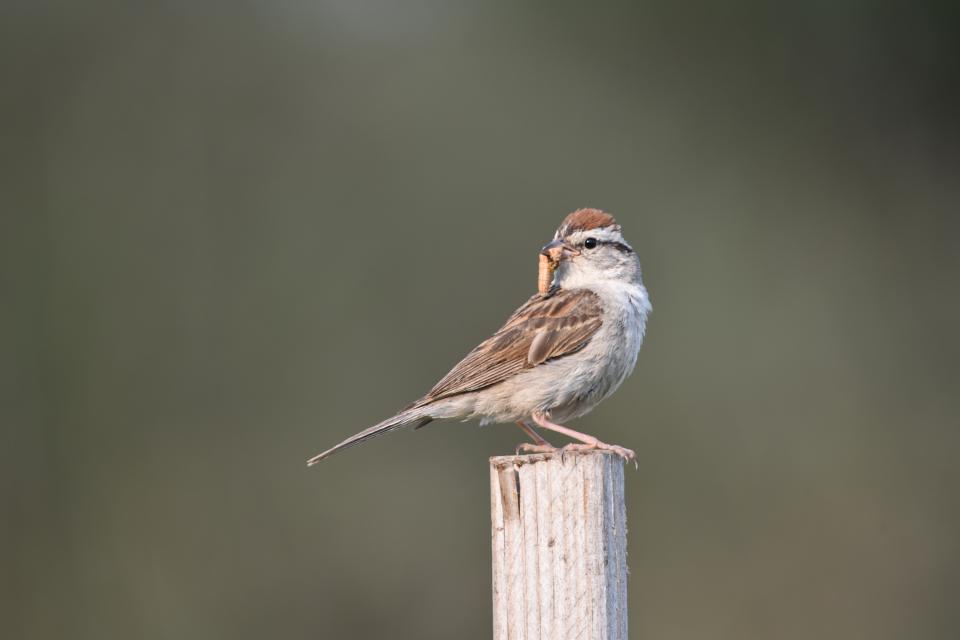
[627, 454]
[530, 447]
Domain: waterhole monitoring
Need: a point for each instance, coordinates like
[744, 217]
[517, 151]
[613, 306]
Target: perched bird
[563, 351]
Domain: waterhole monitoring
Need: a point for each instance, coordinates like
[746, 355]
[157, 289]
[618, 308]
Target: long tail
[413, 416]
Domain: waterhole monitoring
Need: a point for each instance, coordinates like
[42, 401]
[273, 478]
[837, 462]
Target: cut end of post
[562, 456]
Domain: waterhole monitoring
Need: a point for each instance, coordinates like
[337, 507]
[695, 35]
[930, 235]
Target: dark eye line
[618, 245]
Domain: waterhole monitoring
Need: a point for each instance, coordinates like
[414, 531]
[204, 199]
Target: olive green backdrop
[234, 233]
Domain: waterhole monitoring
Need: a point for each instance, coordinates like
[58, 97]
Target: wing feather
[544, 328]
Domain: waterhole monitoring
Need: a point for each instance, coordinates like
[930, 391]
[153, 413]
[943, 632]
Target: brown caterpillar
[545, 274]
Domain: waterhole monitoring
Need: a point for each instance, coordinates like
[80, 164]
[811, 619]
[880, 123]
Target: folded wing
[546, 327]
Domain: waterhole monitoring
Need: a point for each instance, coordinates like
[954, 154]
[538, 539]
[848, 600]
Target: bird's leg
[589, 442]
[539, 444]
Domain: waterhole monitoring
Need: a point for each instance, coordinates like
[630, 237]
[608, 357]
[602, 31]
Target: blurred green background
[234, 233]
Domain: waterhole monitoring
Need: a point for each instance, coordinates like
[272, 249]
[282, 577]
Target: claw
[627, 454]
[622, 452]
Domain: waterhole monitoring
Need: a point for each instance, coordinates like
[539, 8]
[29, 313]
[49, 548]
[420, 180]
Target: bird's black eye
[590, 243]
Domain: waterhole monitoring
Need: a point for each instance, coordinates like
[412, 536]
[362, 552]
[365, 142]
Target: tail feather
[416, 417]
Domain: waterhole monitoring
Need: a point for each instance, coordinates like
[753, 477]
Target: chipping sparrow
[561, 353]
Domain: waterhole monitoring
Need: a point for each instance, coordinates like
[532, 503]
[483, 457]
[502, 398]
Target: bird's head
[588, 248]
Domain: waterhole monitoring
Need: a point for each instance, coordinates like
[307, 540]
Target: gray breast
[611, 354]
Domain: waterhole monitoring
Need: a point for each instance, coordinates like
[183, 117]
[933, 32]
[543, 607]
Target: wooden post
[559, 547]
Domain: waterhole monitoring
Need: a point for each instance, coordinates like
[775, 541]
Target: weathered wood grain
[559, 547]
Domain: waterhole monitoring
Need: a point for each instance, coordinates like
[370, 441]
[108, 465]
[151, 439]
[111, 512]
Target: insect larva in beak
[545, 274]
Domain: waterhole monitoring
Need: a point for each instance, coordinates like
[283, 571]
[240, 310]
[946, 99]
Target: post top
[533, 458]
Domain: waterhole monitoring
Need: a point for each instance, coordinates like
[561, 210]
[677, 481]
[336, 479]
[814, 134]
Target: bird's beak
[558, 250]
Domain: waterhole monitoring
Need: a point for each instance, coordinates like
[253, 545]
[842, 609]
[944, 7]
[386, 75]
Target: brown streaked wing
[545, 327]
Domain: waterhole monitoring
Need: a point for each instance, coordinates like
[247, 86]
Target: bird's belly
[582, 386]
